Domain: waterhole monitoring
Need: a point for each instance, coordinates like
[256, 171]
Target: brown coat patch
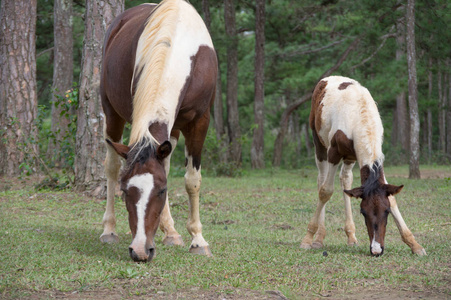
[315, 119]
[341, 148]
[344, 85]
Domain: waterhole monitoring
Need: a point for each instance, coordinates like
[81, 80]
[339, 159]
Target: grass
[50, 242]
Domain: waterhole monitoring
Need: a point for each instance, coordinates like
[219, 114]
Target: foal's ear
[392, 189]
[355, 192]
[120, 149]
[164, 150]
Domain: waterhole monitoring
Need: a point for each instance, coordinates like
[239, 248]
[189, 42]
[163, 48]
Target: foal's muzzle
[142, 257]
[376, 253]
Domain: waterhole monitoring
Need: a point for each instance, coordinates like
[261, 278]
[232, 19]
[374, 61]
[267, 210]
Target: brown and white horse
[346, 126]
[159, 74]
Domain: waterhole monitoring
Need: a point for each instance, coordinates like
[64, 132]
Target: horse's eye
[161, 192]
[363, 212]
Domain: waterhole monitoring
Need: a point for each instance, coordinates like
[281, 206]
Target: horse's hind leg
[114, 127]
[195, 137]
[346, 184]
[171, 236]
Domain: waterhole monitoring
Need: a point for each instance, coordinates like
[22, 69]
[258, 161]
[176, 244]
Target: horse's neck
[365, 172]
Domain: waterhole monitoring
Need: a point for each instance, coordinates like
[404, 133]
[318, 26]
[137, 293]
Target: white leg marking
[112, 166]
[145, 184]
[346, 184]
[193, 180]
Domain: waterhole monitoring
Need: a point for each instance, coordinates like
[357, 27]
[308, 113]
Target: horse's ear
[392, 189]
[355, 192]
[164, 150]
[120, 149]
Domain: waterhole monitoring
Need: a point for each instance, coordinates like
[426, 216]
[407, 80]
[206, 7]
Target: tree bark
[448, 114]
[18, 98]
[257, 149]
[218, 111]
[401, 131]
[89, 145]
[414, 161]
[234, 130]
[62, 75]
[441, 112]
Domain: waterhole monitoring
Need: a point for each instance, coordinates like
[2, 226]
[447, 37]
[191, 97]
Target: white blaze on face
[376, 247]
[145, 184]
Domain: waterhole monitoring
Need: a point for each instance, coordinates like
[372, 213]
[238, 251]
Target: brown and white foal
[346, 126]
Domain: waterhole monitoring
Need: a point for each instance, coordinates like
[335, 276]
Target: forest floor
[347, 274]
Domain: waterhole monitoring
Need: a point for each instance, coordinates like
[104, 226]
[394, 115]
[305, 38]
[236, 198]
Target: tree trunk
[308, 144]
[448, 114]
[257, 149]
[234, 130]
[18, 99]
[89, 145]
[441, 113]
[218, 112]
[429, 114]
[414, 162]
[62, 75]
[402, 123]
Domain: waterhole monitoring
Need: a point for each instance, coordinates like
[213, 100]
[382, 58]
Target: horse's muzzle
[142, 257]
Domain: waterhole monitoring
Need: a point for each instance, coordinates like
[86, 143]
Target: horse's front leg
[406, 234]
[346, 184]
[194, 139]
[112, 167]
[171, 236]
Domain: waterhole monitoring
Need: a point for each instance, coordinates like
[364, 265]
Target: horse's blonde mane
[371, 136]
[153, 48]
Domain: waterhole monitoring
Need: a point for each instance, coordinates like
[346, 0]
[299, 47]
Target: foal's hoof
[352, 244]
[109, 238]
[205, 250]
[317, 245]
[420, 252]
[173, 241]
[306, 246]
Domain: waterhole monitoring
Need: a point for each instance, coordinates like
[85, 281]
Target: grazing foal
[159, 74]
[346, 126]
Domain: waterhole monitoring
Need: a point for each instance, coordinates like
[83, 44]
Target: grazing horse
[346, 126]
[159, 74]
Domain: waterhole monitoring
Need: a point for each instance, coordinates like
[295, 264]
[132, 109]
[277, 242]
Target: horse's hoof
[306, 246]
[173, 241]
[352, 244]
[420, 252]
[205, 250]
[109, 238]
[317, 245]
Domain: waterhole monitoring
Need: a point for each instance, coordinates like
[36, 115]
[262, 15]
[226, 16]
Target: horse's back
[119, 53]
[341, 103]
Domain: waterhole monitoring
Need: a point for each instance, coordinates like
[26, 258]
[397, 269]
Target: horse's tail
[152, 51]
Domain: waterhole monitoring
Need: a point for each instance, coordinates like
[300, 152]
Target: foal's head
[143, 183]
[375, 207]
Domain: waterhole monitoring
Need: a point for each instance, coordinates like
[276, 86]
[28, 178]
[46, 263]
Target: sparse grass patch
[254, 224]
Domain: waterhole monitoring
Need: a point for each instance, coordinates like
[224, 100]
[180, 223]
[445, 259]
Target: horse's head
[143, 183]
[375, 207]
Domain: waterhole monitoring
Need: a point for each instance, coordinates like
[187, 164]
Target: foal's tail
[152, 51]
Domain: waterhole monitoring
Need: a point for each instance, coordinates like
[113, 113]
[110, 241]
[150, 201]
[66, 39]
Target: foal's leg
[346, 184]
[114, 127]
[406, 234]
[171, 236]
[195, 137]
[325, 189]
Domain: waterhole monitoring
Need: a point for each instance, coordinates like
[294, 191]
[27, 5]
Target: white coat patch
[145, 184]
[376, 247]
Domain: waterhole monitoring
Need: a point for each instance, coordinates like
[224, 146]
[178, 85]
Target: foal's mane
[152, 51]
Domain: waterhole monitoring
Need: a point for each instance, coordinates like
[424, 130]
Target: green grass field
[49, 243]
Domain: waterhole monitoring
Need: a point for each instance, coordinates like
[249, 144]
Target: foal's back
[341, 103]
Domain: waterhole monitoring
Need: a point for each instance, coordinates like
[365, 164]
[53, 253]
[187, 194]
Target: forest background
[271, 55]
